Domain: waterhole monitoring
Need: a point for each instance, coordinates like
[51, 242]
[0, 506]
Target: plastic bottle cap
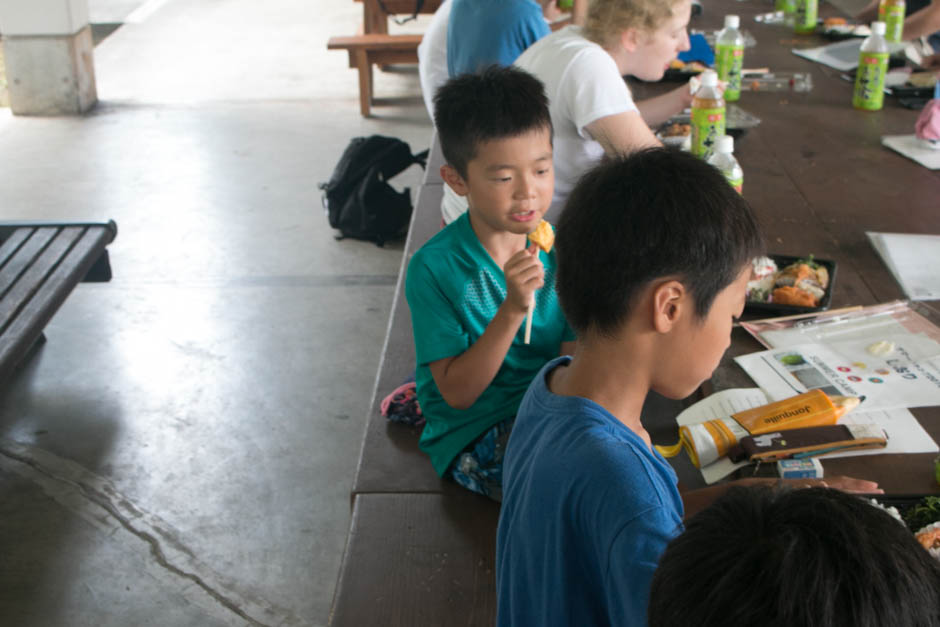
[732, 21]
[709, 78]
[878, 28]
[725, 144]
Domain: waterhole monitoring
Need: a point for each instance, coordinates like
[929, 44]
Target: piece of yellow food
[677, 130]
[790, 295]
[543, 236]
[922, 79]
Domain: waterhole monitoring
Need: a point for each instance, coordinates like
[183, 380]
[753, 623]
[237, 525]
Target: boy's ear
[630, 39]
[668, 305]
[453, 178]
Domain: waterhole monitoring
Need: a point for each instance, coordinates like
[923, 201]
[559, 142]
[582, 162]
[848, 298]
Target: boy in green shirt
[470, 286]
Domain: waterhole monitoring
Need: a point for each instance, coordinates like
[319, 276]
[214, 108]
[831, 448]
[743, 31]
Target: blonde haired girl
[592, 109]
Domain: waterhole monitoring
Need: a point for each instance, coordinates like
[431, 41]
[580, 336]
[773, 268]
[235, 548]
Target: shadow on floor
[100, 32]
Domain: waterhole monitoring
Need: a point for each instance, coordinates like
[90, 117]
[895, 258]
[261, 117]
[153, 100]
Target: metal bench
[40, 264]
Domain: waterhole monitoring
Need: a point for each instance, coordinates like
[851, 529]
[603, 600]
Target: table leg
[374, 18]
[364, 66]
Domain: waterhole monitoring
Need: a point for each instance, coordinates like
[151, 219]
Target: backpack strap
[421, 158]
[419, 4]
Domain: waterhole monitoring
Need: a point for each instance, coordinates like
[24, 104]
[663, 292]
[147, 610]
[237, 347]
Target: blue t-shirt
[484, 32]
[454, 288]
[588, 510]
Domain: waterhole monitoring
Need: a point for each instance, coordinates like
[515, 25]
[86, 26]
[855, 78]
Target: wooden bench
[421, 550]
[375, 49]
[40, 264]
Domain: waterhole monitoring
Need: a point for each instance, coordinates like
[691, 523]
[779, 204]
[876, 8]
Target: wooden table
[818, 177]
[421, 550]
[375, 46]
[375, 19]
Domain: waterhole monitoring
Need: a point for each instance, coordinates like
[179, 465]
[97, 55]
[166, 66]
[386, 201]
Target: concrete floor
[181, 450]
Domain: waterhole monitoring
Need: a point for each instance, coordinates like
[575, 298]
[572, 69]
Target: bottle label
[736, 183]
[894, 22]
[707, 126]
[870, 81]
[805, 16]
[728, 61]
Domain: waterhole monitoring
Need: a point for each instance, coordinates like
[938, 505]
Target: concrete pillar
[48, 49]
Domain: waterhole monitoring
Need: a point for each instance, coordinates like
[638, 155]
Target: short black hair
[495, 103]
[775, 557]
[635, 218]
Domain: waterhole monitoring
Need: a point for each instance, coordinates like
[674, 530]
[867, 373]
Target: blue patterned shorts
[479, 468]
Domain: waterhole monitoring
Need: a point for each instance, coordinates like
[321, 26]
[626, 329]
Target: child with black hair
[770, 557]
[654, 253]
[470, 286]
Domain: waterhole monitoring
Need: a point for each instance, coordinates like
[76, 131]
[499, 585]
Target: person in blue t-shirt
[480, 33]
[487, 32]
[469, 287]
[654, 255]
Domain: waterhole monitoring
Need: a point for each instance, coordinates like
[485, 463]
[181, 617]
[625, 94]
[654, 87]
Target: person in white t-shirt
[432, 72]
[592, 110]
[432, 56]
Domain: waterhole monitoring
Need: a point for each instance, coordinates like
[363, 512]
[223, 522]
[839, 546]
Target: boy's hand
[845, 484]
[524, 274]
[837, 482]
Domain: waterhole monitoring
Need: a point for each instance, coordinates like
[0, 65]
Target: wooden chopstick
[813, 314]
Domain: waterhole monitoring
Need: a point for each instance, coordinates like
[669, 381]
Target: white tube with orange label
[711, 440]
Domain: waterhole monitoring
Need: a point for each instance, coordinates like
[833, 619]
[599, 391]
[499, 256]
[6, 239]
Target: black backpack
[358, 199]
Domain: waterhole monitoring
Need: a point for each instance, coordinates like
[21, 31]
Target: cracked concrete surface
[95, 501]
[180, 451]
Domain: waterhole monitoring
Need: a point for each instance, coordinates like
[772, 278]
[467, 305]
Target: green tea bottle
[724, 160]
[869, 92]
[729, 57]
[708, 116]
[891, 12]
[805, 16]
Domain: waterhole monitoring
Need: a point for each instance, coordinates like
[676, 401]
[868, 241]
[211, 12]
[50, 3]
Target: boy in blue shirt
[469, 287]
[654, 253]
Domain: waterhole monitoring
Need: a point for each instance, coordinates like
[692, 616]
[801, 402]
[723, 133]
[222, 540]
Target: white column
[49, 56]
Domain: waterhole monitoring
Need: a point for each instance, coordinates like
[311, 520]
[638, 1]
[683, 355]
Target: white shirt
[583, 84]
[432, 56]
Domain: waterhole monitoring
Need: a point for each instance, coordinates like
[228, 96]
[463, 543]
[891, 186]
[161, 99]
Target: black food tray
[782, 262]
[909, 91]
[738, 121]
[903, 503]
[673, 75]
